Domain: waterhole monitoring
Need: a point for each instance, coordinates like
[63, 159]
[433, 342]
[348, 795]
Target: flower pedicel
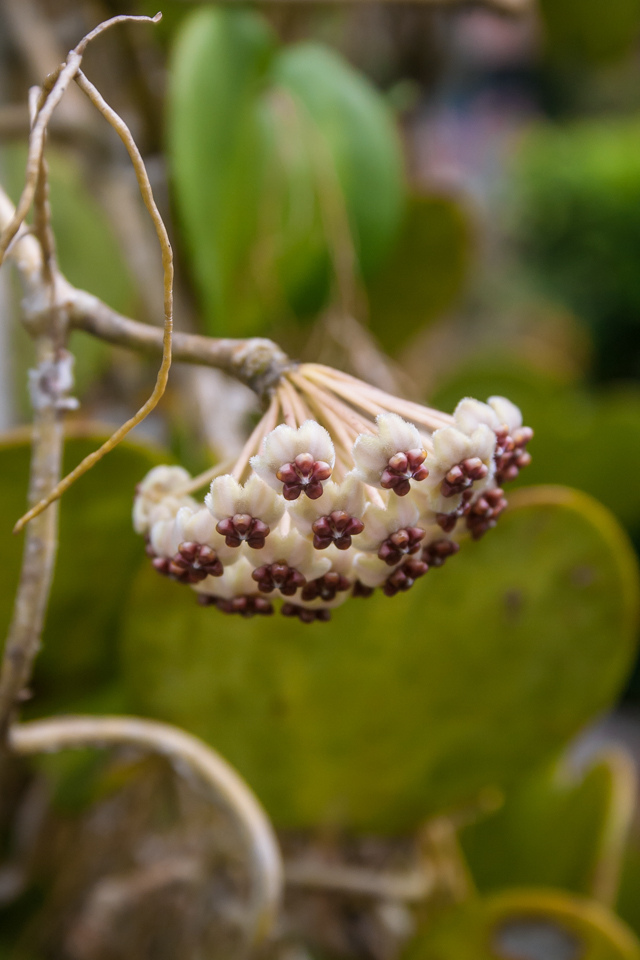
[340, 490]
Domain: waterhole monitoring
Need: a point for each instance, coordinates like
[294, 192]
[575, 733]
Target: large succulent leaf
[531, 924]
[406, 707]
[97, 558]
[558, 829]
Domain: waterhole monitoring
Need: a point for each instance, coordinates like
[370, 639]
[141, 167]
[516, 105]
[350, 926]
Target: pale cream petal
[507, 413]
[261, 502]
[314, 439]
[223, 497]
[371, 571]
[350, 496]
[280, 446]
[370, 457]
[450, 447]
[164, 538]
[398, 434]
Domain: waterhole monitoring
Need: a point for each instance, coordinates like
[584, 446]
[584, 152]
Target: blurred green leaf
[88, 251]
[582, 439]
[579, 31]
[576, 219]
[218, 152]
[628, 904]
[425, 272]
[275, 158]
[362, 143]
[407, 707]
[557, 830]
[97, 558]
[534, 924]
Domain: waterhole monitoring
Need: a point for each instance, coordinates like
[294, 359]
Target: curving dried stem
[167, 265]
[53, 90]
[36, 574]
[191, 758]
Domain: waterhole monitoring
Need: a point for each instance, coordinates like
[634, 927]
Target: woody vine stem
[51, 309]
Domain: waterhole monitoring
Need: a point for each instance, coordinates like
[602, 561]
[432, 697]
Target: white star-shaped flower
[296, 461]
[393, 458]
[460, 463]
[244, 514]
[334, 519]
[155, 496]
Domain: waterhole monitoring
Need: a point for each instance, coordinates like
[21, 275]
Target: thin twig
[23, 640]
[188, 756]
[52, 92]
[412, 887]
[257, 362]
[167, 265]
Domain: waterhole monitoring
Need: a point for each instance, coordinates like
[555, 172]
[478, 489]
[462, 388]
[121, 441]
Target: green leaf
[581, 32]
[87, 248]
[425, 272]
[363, 147]
[275, 158]
[574, 219]
[534, 924]
[557, 830]
[217, 149]
[406, 707]
[97, 558]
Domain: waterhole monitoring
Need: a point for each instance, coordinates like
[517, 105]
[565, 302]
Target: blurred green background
[442, 199]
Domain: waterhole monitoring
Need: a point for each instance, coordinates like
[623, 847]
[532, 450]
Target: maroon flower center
[404, 577]
[192, 563]
[304, 614]
[303, 475]
[401, 469]
[400, 544]
[325, 587]
[338, 528]
[511, 456]
[244, 606]
[484, 512]
[243, 527]
[278, 576]
[447, 521]
[435, 554]
[462, 475]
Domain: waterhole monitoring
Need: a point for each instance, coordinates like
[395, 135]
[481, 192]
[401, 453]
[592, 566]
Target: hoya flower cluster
[340, 490]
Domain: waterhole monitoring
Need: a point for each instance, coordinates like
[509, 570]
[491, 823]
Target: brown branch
[23, 640]
[256, 361]
[411, 887]
[189, 757]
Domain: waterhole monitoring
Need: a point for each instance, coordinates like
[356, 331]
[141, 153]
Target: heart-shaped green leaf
[533, 924]
[406, 707]
[558, 830]
[97, 557]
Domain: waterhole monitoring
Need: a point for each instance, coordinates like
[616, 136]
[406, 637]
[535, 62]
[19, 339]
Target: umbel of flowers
[340, 490]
